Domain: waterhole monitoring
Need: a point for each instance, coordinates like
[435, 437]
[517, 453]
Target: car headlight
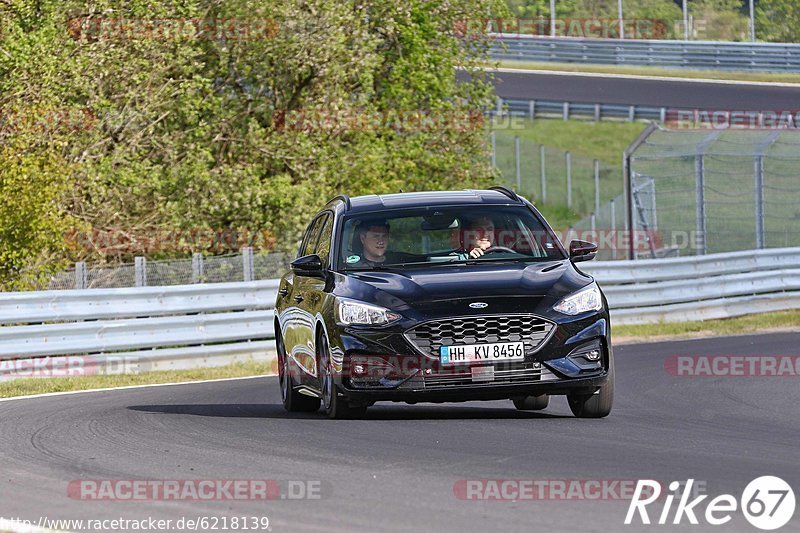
[586, 299]
[352, 312]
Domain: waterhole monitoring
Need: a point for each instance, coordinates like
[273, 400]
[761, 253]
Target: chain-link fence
[245, 266]
[697, 192]
[554, 177]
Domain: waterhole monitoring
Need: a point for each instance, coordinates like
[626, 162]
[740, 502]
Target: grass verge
[776, 77]
[24, 387]
[759, 323]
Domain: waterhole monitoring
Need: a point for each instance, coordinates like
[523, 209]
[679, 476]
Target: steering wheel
[493, 249]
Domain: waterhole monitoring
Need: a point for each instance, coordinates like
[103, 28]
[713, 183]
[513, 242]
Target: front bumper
[384, 366]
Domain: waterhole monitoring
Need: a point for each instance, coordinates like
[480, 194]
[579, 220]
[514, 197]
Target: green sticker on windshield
[353, 259]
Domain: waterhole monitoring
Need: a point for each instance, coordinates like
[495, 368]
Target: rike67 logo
[767, 502]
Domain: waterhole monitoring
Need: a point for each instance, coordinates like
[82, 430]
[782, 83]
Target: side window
[312, 235]
[323, 249]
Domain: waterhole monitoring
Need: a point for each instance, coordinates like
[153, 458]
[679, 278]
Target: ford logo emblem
[479, 305]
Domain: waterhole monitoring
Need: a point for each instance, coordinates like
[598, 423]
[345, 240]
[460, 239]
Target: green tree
[190, 132]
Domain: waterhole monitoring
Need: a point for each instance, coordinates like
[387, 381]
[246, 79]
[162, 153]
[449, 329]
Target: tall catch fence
[697, 192]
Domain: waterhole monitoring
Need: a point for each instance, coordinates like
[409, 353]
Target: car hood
[424, 288]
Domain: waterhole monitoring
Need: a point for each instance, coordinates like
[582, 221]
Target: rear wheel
[532, 403]
[597, 405]
[335, 405]
[293, 401]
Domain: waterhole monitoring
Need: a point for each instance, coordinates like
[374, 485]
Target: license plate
[479, 353]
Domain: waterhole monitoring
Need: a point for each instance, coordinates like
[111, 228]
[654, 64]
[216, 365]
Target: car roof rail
[505, 190]
[344, 198]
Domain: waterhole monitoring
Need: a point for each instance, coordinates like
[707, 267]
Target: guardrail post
[517, 164]
[596, 186]
[500, 106]
[198, 267]
[532, 109]
[81, 279]
[568, 157]
[597, 112]
[759, 196]
[663, 115]
[493, 136]
[631, 113]
[140, 271]
[544, 174]
[566, 111]
[247, 263]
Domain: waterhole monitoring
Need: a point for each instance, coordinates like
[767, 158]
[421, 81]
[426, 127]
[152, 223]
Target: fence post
[569, 179]
[594, 226]
[140, 271]
[544, 175]
[596, 186]
[759, 196]
[247, 263]
[81, 279]
[494, 149]
[517, 163]
[198, 268]
[614, 235]
[700, 203]
[500, 106]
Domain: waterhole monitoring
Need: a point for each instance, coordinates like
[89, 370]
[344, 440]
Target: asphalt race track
[657, 93]
[396, 470]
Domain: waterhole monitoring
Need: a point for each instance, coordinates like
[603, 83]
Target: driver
[373, 236]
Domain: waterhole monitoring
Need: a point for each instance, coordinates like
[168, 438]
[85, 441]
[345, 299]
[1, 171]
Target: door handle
[299, 298]
[283, 292]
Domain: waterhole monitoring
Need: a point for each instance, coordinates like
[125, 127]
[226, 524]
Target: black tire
[596, 405]
[532, 403]
[293, 401]
[333, 403]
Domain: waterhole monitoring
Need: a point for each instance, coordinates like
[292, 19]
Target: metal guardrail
[700, 287]
[767, 57]
[533, 109]
[145, 328]
[149, 328]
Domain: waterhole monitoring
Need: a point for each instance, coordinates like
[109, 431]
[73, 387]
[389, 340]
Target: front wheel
[293, 401]
[335, 405]
[597, 405]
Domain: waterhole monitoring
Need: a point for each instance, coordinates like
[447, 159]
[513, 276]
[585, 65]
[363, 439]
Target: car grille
[429, 336]
[527, 373]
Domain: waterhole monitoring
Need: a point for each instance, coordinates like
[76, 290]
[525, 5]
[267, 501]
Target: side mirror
[582, 251]
[308, 265]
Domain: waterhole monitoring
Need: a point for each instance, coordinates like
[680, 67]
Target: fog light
[593, 355]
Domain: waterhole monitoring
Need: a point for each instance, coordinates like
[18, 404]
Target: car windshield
[432, 236]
